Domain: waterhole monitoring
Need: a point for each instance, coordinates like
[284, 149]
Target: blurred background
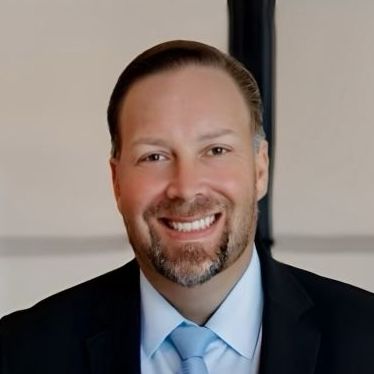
[59, 62]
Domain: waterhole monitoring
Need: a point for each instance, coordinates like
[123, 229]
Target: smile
[191, 226]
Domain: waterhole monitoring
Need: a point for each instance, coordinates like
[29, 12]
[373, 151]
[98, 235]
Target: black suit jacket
[310, 325]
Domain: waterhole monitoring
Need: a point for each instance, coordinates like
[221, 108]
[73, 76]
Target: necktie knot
[191, 343]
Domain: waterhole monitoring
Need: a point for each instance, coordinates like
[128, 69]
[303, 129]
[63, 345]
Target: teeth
[200, 224]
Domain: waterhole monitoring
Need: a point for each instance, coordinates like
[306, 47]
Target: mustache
[179, 207]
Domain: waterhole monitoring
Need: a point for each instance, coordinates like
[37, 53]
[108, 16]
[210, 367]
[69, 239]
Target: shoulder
[329, 291]
[53, 336]
[62, 309]
[342, 308]
[344, 315]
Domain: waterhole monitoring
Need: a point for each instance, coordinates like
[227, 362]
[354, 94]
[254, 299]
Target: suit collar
[114, 347]
[291, 336]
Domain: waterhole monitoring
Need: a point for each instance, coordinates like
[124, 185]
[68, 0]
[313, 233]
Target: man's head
[184, 120]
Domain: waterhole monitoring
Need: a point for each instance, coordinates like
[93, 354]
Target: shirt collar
[238, 319]
[226, 322]
[158, 317]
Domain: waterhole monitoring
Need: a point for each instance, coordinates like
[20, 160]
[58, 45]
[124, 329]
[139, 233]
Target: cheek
[138, 191]
[236, 182]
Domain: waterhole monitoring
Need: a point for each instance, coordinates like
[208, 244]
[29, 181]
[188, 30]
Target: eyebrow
[204, 137]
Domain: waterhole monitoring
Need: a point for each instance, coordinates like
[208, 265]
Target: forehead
[188, 98]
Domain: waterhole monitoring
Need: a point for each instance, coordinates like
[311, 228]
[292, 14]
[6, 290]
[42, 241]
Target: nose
[186, 182]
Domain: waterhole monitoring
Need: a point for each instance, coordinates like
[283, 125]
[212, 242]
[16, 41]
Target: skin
[187, 153]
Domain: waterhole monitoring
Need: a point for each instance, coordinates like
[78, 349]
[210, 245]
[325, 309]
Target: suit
[310, 325]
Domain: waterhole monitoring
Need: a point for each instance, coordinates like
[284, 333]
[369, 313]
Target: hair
[177, 54]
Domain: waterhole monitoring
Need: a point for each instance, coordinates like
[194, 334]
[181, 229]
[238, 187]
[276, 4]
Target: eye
[153, 157]
[217, 151]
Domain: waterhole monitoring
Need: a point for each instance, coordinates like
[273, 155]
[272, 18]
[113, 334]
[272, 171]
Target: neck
[200, 302]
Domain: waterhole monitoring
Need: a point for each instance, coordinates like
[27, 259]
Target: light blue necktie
[191, 343]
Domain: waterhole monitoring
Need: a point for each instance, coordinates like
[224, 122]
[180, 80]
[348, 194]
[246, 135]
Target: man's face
[187, 178]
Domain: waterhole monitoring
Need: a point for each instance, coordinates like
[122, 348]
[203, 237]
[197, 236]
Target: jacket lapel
[115, 348]
[291, 335]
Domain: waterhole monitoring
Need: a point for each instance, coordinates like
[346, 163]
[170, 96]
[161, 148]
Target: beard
[191, 264]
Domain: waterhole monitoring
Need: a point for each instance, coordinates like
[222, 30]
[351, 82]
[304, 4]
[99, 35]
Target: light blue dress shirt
[237, 324]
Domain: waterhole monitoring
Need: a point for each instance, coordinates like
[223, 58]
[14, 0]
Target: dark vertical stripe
[252, 42]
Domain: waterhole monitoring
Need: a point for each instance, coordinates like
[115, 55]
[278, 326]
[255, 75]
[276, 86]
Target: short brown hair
[175, 54]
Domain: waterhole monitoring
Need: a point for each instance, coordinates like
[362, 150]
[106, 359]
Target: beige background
[60, 60]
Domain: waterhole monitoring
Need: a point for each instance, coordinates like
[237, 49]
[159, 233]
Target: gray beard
[192, 265]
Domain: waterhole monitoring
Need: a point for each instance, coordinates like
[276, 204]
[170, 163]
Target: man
[189, 164]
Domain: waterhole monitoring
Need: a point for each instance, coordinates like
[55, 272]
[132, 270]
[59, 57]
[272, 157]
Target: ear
[115, 183]
[262, 169]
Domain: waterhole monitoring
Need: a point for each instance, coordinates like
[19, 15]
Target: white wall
[324, 174]
[59, 62]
